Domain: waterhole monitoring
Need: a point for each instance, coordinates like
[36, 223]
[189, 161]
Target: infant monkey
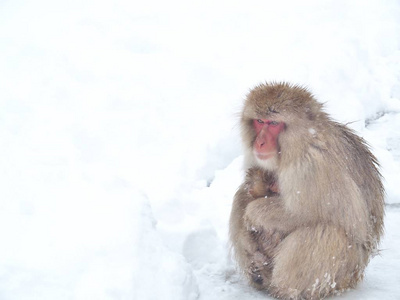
[261, 183]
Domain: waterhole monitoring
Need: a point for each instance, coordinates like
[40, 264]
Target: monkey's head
[273, 115]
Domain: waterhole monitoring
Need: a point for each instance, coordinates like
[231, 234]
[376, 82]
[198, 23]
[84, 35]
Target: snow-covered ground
[119, 140]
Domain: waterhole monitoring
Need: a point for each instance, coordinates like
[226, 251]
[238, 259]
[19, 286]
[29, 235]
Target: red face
[266, 143]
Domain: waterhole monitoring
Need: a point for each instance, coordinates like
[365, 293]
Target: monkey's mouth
[264, 156]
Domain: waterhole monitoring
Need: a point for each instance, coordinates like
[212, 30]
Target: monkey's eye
[273, 123]
[260, 121]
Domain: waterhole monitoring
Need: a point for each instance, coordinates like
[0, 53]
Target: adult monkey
[309, 215]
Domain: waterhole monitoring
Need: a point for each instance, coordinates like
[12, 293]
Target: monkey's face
[265, 146]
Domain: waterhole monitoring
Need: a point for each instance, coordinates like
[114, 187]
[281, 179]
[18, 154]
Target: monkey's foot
[260, 271]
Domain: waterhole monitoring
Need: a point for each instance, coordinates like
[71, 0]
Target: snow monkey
[309, 215]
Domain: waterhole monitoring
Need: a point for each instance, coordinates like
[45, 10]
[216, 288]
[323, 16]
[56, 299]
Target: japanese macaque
[309, 215]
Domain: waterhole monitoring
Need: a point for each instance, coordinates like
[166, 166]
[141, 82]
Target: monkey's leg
[251, 260]
[254, 246]
[244, 240]
[266, 240]
[315, 262]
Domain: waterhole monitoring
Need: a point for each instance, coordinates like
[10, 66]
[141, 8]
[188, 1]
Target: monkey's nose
[261, 144]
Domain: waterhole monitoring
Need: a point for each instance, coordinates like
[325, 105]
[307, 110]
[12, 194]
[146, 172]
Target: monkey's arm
[269, 213]
[240, 202]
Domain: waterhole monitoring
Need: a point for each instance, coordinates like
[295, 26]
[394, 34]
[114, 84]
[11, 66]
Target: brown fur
[322, 219]
[261, 183]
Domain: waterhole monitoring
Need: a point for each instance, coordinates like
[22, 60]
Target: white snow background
[119, 141]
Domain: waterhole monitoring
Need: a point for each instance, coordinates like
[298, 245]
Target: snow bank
[119, 138]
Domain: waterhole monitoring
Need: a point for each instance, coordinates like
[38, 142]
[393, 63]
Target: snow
[120, 151]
